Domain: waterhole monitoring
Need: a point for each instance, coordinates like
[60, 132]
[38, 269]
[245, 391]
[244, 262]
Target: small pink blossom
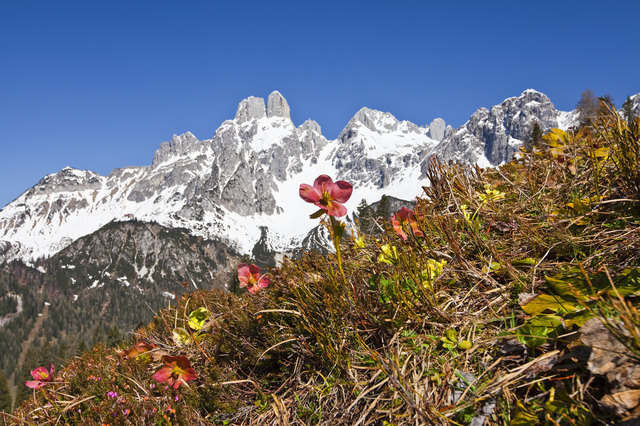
[251, 276]
[41, 376]
[327, 195]
[176, 370]
[404, 221]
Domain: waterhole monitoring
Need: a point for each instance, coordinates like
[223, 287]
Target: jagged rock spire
[249, 108]
[437, 129]
[277, 106]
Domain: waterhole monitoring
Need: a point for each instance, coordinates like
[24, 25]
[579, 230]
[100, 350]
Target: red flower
[138, 349]
[176, 370]
[327, 195]
[403, 221]
[41, 376]
[250, 276]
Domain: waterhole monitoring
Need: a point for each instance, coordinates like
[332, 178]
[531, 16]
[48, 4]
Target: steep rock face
[247, 175]
[148, 256]
[277, 106]
[250, 108]
[496, 134]
[437, 129]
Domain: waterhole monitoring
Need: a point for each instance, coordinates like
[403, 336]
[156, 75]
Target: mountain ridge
[246, 176]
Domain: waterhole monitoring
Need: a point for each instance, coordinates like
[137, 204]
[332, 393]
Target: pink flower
[327, 195]
[403, 221]
[41, 376]
[176, 370]
[250, 276]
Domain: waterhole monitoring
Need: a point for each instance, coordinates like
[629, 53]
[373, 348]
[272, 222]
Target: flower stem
[336, 235]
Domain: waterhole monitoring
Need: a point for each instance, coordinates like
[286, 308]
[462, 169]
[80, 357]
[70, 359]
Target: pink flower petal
[40, 373]
[397, 227]
[264, 282]
[337, 210]
[255, 270]
[322, 206]
[243, 273]
[341, 191]
[34, 384]
[163, 374]
[309, 193]
[323, 184]
[189, 374]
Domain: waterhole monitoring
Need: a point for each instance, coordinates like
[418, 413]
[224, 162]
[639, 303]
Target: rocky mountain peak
[277, 106]
[187, 136]
[497, 133]
[374, 120]
[250, 108]
[67, 179]
[532, 92]
[310, 125]
[179, 145]
[437, 129]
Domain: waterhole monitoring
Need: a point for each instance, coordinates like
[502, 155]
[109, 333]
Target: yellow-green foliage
[422, 331]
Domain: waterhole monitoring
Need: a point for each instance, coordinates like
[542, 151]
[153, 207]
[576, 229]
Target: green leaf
[546, 302]
[338, 228]
[573, 285]
[465, 345]
[181, 337]
[493, 266]
[577, 318]
[523, 416]
[524, 262]
[317, 214]
[627, 283]
[451, 334]
[197, 318]
[537, 330]
[570, 284]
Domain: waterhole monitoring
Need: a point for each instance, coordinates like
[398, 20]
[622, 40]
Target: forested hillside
[98, 290]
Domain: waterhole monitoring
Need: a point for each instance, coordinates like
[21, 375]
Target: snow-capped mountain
[247, 176]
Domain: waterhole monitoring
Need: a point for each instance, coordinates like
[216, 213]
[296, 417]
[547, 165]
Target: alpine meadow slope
[505, 295]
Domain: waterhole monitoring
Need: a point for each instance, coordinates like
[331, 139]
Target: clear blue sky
[98, 85]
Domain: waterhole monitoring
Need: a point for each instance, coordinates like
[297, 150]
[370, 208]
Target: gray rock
[448, 131]
[181, 145]
[250, 108]
[498, 133]
[437, 129]
[277, 106]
